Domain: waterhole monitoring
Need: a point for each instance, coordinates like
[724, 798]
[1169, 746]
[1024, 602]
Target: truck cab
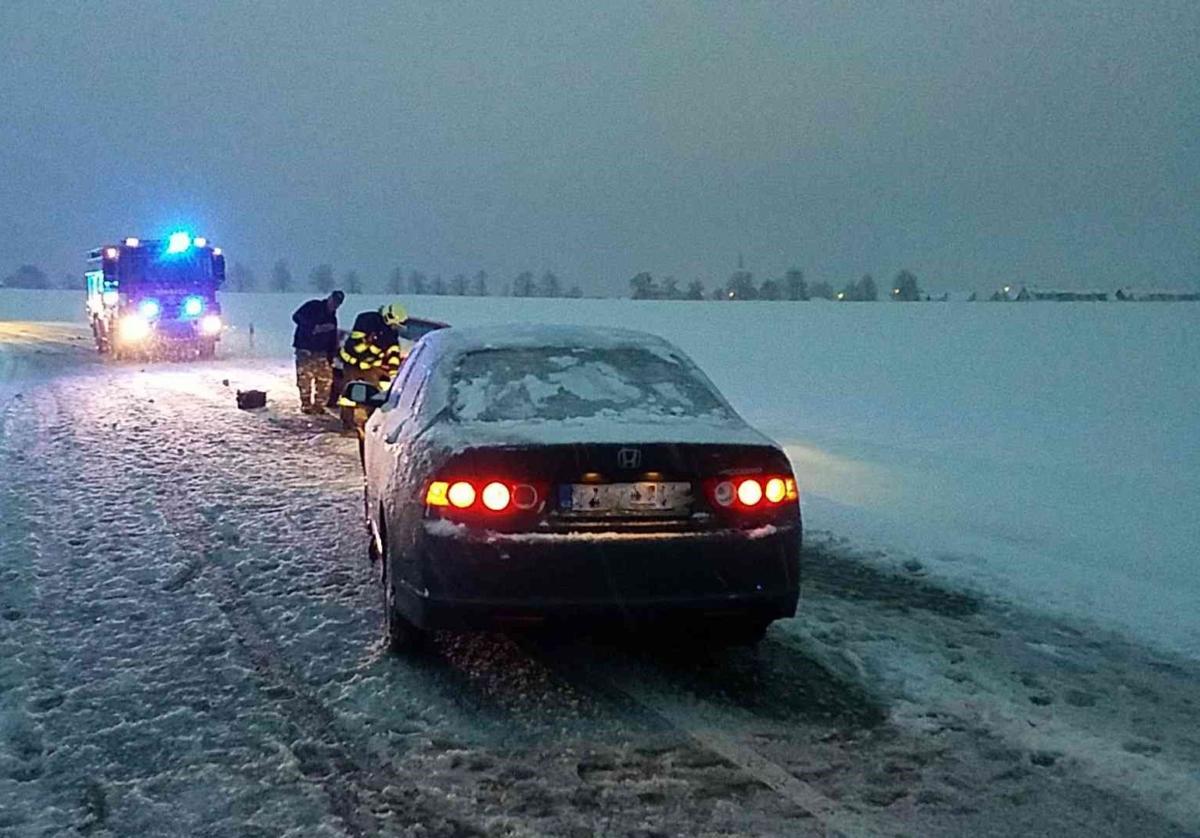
[156, 298]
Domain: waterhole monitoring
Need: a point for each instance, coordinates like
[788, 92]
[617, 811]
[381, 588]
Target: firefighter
[316, 342]
[372, 353]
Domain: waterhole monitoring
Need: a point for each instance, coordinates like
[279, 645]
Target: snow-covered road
[189, 645]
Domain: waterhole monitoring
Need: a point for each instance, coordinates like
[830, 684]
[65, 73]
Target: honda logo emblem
[629, 458]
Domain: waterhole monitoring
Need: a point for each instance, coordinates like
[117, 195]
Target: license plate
[626, 498]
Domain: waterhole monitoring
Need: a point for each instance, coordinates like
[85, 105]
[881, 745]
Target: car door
[379, 455]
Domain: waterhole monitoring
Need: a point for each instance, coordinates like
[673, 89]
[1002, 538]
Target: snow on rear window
[556, 383]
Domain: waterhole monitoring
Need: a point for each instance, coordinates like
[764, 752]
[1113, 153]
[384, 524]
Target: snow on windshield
[558, 383]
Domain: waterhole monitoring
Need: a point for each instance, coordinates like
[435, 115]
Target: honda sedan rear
[525, 475]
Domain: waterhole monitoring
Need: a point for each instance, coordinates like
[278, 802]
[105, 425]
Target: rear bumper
[491, 579]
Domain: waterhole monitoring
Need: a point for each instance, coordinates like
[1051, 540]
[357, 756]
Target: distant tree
[241, 278]
[479, 287]
[643, 287]
[395, 282]
[695, 290]
[438, 286]
[820, 291]
[549, 285]
[867, 291]
[670, 289]
[849, 293]
[321, 278]
[281, 276]
[905, 288]
[720, 294]
[458, 285]
[523, 285]
[574, 292]
[794, 286]
[68, 281]
[741, 285]
[352, 284]
[418, 283]
[771, 289]
[27, 276]
[974, 297]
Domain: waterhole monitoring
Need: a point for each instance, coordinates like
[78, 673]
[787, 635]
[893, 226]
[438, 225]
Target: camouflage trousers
[314, 377]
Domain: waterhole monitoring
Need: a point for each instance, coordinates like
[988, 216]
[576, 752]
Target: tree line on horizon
[741, 285]
[323, 279]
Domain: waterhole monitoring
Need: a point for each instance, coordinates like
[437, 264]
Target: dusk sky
[975, 144]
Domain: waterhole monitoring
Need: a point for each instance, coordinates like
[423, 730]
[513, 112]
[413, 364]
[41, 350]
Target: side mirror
[363, 394]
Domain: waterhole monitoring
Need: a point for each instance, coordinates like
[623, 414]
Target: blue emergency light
[179, 242]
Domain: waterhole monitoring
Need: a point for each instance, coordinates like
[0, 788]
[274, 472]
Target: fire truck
[153, 299]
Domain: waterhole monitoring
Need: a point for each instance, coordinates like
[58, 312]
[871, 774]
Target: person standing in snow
[316, 342]
[372, 353]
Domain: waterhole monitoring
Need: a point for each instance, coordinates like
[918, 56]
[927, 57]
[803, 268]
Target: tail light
[485, 497]
[760, 492]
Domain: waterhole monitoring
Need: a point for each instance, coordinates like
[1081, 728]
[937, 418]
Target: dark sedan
[524, 475]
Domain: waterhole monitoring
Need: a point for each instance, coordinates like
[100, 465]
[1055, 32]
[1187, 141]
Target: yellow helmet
[393, 314]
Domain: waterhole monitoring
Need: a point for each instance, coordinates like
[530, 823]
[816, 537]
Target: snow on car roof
[464, 339]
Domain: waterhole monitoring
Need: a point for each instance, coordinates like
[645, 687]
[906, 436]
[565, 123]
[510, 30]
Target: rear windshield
[555, 383]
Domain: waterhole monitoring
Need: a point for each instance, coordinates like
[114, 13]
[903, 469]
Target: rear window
[554, 383]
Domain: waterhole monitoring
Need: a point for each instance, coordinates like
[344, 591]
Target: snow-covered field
[1046, 453]
[997, 632]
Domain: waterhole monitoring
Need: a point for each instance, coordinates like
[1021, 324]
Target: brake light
[752, 493]
[461, 494]
[776, 490]
[496, 497]
[490, 497]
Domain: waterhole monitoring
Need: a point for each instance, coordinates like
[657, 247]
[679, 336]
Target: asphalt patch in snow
[848, 577]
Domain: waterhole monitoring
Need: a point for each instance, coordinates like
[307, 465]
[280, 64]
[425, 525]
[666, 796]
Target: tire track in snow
[699, 722]
[65, 591]
[358, 784]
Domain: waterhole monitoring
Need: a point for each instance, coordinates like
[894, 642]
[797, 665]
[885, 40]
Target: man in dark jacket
[316, 342]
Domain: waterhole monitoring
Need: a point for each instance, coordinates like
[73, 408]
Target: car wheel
[748, 632]
[400, 636]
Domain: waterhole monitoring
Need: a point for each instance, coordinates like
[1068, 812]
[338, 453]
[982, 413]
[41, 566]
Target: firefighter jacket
[372, 351]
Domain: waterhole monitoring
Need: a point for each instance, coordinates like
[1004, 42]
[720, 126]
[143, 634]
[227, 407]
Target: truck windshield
[184, 270]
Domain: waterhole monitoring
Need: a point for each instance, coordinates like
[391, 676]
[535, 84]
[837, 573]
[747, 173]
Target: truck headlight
[210, 325]
[134, 328]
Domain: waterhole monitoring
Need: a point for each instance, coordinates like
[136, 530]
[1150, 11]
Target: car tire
[400, 636]
[748, 632]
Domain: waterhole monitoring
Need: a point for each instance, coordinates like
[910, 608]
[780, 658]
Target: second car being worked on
[520, 475]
